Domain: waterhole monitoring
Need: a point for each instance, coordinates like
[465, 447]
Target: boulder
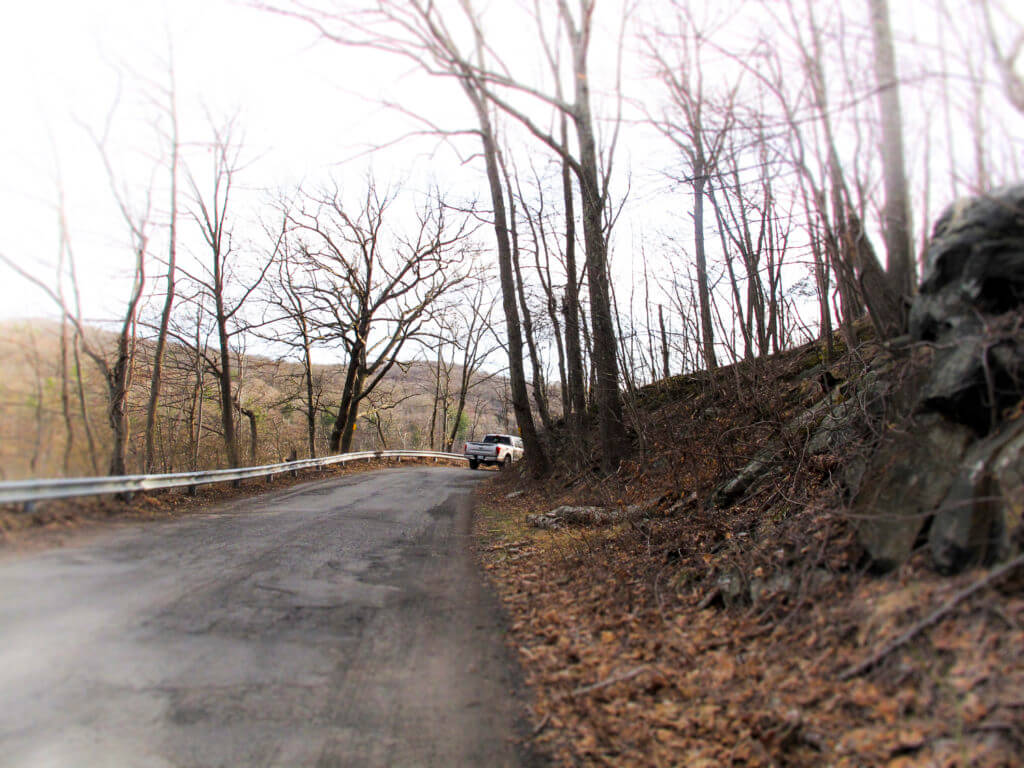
[974, 264]
[976, 375]
[959, 464]
[974, 273]
[906, 480]
[979, 519]
[1007, 473]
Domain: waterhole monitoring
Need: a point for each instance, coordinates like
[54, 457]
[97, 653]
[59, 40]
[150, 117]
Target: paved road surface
[337, 623]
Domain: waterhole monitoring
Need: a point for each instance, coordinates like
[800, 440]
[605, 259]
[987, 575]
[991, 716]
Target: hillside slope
[713, 604]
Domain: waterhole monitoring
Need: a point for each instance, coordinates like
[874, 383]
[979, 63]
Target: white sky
[302, 107]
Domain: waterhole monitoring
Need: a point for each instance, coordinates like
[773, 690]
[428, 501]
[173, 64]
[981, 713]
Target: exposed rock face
[948, 401]
[960, 466]
[974, 272]
[906, 480]
[974, 265]
[982, 509]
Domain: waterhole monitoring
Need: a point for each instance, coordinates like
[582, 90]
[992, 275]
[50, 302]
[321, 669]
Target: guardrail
[29, 491]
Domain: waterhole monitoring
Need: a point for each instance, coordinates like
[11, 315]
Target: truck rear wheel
[473, 463]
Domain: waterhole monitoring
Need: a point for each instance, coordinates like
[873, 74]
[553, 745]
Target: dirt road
[336, 623]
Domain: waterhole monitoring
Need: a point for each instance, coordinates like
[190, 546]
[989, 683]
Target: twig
[708, 598]
[540, 727]
[993, 576]
[610, 681]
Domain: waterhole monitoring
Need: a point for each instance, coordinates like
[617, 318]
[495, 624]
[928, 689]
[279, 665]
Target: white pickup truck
[494, 449]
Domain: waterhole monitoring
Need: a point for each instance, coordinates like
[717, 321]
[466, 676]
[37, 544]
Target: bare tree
[155, 381]
[377, 284]
[1006, 61]
[699, 128]
[418, 30]
[536, 368]
[115, 367]
[471, 327]
[288, 292]
[220, 278]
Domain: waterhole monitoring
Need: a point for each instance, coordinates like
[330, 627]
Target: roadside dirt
[631, 663]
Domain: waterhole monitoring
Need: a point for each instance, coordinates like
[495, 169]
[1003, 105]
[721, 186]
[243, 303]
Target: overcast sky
[302, 106]
[305, 108]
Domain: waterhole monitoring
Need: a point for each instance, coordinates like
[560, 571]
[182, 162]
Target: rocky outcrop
[957, 468]
[974, 266]
[929, 437]
[906, 480]
[981, 514]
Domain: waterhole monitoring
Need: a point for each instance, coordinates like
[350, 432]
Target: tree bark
[703, 293]
[535, 456]
[896, 226]
[539, 396]
[227, 411]
[611, 428]
[571, 302]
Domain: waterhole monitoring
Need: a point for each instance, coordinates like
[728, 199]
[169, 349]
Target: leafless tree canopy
[797, 154]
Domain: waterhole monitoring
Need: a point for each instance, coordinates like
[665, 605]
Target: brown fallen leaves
[631, 665]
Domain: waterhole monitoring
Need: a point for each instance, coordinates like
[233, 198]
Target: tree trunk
[227, 411]
[539, 396]
[571, 303]
[348, 392]
[116, 415]
[437, 399]
[353, 408]
[253, 435]
[80, 396]
[65, 397]
[165, 316]
[307, 372]
[664, 342]
[536, 458]
[611, 428]
[703, 294]
[896, 213]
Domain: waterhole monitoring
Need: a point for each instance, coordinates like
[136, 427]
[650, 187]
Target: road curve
[341, 622]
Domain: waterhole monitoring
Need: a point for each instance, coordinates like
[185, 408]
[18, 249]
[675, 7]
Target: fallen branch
[934, 617]
[610, 681]
[540, 726]
[565, 514]
[507, 545]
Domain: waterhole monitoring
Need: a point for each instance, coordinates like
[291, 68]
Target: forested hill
[56, 425]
